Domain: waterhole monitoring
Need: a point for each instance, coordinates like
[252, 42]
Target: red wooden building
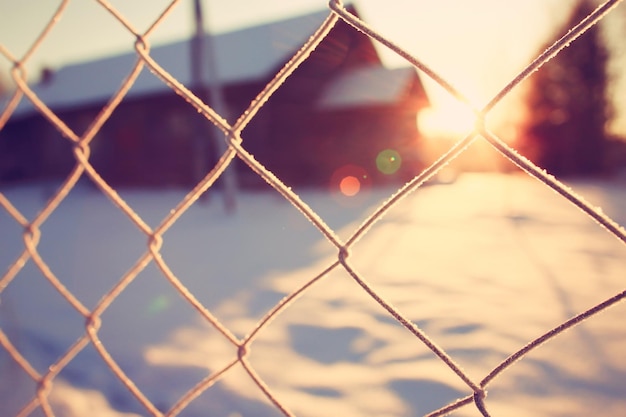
[341, 108]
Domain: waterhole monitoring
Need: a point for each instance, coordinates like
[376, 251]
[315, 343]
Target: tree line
[569, 107]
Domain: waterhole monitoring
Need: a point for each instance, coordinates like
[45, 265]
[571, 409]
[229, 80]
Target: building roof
[248, 54]
[366, 86]
[245, 55]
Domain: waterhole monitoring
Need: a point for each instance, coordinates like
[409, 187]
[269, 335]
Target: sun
[447, 122]
[450, 118]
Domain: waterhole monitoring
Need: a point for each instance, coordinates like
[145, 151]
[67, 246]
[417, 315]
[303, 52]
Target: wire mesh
[236, 149]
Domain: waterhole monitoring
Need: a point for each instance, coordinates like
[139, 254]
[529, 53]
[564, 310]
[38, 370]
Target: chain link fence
[236, 148]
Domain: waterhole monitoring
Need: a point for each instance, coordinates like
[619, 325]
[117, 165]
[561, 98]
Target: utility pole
[203, 47]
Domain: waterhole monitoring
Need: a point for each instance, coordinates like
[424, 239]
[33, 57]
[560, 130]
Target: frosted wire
[236, 148]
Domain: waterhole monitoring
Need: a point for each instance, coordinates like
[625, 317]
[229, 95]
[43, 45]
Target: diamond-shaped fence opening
[208, 357]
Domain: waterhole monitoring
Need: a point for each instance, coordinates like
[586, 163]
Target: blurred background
[484, 259]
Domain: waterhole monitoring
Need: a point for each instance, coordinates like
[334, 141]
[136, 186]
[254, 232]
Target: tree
[568, 105]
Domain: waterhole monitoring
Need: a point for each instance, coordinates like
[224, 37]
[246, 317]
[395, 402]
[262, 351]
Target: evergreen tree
[569, 106]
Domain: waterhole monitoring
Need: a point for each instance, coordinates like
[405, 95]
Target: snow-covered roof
[247, 54]
[243, 55]
[366, 86]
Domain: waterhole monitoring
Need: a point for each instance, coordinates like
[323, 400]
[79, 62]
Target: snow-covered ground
[483, 265]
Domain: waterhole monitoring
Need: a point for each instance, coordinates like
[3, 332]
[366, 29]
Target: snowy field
[483, 265]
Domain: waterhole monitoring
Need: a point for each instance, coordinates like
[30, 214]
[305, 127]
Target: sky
[477, 46]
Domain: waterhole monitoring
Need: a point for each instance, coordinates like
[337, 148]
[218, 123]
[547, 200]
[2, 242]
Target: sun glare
[447, 122]
[446, 119]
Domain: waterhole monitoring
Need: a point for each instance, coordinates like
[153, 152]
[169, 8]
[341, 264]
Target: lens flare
[158, 304]
[350, 183]
[349, 186]
[388, 161]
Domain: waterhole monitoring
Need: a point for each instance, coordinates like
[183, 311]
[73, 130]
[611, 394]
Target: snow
[483, 265]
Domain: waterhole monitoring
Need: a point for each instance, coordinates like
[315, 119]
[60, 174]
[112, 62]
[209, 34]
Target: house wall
[147, 142]
[292, 122]
[32, 149]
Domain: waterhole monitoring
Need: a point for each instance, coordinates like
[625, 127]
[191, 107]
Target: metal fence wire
[236, 149]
